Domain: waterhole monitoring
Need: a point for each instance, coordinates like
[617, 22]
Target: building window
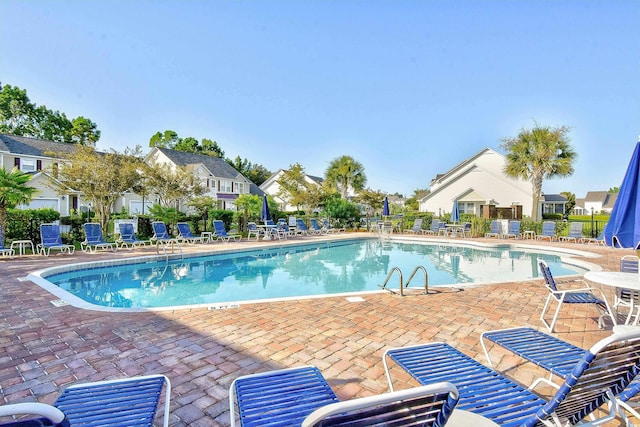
[225, 186]
[240, 188]
[28, 165]
[467, 208]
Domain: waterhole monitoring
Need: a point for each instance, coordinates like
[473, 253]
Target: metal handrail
[405, 285]
[384, 285]
[426, 278]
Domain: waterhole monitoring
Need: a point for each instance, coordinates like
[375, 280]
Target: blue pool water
[298, 271]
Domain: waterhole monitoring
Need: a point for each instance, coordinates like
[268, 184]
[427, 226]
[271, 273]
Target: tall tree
[102, 178]
[345, 173]
[538, 153]
[16, 111]
[84, 131]
[13, 191]
[166, 139]
[372, 200]
[19, 116]
[211, 148]
[297, 191]
[253, 172]
[172, 186]
[571, 201]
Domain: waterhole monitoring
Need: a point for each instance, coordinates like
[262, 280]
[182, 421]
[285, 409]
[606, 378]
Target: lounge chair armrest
[33, 408]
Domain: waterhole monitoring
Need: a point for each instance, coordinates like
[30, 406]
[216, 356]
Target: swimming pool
[305, 270]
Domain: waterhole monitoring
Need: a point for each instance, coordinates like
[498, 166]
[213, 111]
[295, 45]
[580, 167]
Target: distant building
[39, 158]
[476, 182]
[223, 182]
[272, 187]
[595, 202]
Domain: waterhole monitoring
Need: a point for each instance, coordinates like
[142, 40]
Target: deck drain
[59, 303]
[355, 299]
[223, 306]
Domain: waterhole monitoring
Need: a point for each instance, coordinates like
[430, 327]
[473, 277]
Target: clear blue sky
[408, 88]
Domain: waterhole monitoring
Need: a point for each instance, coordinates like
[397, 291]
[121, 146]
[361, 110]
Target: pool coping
[66, 298]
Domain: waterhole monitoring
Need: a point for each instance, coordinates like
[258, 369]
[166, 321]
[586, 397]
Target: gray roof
[611, 201]
[554, 198]
[33, 146]
[596, 196]
[254, 189]
[217, 166]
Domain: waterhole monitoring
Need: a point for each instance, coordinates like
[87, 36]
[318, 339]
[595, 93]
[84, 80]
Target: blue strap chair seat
[186, 235]
[550, 353]
[94, 240]
[600, 375]
[584, 295]
[125, 402]
[128, 236]
[301, 396]
[221, 232]
[51, 239]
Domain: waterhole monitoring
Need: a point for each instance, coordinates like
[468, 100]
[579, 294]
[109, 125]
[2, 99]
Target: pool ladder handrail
[405, 285]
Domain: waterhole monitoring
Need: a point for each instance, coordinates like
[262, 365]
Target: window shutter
[38, 165]
[16, 162]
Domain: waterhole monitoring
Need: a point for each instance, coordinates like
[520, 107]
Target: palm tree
[344, 173]
[13, 191]
[542, 152]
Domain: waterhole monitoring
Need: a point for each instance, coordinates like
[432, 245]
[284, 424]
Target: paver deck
[44, 348]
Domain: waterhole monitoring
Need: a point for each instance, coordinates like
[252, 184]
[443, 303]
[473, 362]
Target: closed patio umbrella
[385, 207]
[455, 212]
[265, 215]
[623, 228]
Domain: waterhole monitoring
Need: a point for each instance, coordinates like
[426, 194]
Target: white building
[476, 182]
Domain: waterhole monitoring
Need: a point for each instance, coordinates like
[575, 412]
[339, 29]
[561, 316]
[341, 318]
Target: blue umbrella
[455, 212]
[623, 228]
[265, 215]
[385, 207]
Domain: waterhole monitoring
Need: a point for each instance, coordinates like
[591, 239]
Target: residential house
[40, 159]
[553, 204]
[478, 183]
[595, 202]
[272, 187]
[222, 181]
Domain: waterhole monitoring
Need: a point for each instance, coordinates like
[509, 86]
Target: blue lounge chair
[514, 230]
[221, 232]
[162, 238]
[283, 228]
[252, 229]
[598, 241]
[598, 377]
[50, 239]
[301, 396]
[185, 234]
[302, 227]
[466, 230]
[556, 356]
[575, 233]
[315, 227]
[495, 229]
[583, 295]
[417, 227]
[128, 236]
[3, 250]
[434, 229]
[327, 226]
[93, 239]
[548, 231]
[126, 402]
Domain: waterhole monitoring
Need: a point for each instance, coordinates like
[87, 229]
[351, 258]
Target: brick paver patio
[44, 348]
